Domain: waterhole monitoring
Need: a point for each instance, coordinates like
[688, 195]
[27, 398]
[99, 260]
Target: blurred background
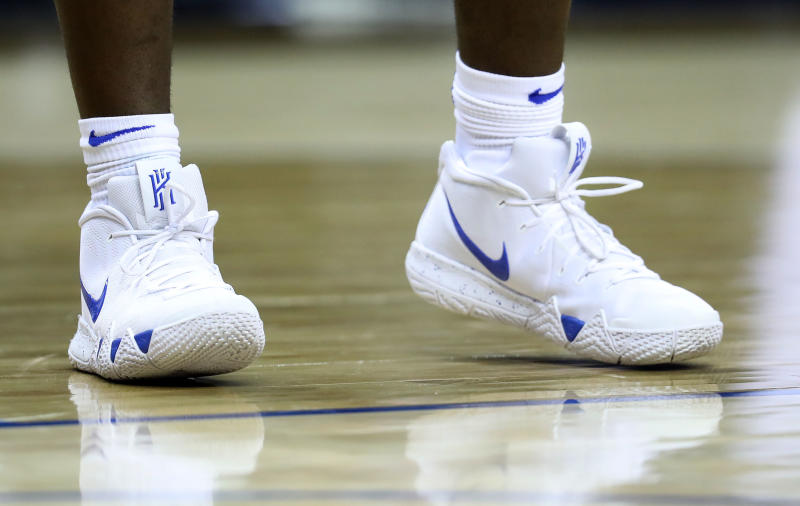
[369, 79]
[371, 15]
[317, 125]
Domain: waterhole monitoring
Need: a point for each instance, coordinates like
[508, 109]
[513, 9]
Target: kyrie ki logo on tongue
[580, 151]
[159, 179]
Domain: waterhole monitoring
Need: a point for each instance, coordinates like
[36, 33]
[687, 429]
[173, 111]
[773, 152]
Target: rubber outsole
[204, 345]
[462, 289]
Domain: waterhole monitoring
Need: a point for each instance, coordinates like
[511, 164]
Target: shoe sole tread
[462, 289]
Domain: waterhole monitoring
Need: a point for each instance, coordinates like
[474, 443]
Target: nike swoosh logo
[499, 267]
[94, 305]
[96, 140]
[539, 98]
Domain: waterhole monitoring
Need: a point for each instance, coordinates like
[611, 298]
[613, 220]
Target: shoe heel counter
[435, 230]
[432, 230]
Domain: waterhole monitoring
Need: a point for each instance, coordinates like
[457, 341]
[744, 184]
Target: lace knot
[140, 259]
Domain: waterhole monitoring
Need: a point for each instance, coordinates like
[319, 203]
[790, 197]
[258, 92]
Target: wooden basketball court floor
[367, 395]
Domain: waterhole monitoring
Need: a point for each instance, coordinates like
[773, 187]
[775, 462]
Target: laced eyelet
[502, 203]
[110, 238]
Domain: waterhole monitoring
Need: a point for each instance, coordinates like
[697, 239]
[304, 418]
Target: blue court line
[772, 392]
[379, 495]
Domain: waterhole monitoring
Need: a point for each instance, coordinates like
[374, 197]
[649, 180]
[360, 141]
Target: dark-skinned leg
[119, 54]
[512, 37]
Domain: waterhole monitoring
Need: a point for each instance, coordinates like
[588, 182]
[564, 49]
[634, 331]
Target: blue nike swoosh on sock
[94, 305]
[539, 98]
[96, 140]
[497, 267]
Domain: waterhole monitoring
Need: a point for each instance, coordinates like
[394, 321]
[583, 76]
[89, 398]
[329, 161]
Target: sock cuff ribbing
[109, 139]
[493, 110]
[112, 146]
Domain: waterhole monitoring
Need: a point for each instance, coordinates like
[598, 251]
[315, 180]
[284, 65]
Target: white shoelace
[593, 238]
[180, 271]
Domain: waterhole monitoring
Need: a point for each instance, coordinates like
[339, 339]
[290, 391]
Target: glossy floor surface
[367, 395]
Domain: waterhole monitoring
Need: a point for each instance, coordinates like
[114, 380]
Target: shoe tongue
[540, 164]
[145, 199]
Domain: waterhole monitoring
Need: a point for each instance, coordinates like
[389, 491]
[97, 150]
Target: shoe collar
[537, 166]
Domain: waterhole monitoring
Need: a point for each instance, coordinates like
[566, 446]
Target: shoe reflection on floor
[569, 448]
[126, 457]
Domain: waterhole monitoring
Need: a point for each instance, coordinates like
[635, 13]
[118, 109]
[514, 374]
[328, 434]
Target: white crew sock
[112, 146]
[492, 110]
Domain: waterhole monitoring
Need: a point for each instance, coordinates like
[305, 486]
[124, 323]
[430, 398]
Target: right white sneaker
[517, 246]
[154, 303]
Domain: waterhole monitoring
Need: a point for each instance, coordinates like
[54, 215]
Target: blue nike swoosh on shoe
[96, 140]
[497, 267]
[94, 305]
[539, 98]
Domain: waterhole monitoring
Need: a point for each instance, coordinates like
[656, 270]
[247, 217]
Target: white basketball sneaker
[154, 303]
[517, 246]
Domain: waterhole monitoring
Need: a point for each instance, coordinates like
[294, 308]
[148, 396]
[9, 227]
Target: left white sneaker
[517, 246]
[154, 303]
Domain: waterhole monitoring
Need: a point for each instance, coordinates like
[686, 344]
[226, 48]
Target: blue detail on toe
[571, 406]
[114, 348]
[571, 326]
[94, 305]
[143, 340]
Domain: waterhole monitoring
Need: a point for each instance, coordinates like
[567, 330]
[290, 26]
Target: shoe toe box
[155, 312]
[647, 304]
